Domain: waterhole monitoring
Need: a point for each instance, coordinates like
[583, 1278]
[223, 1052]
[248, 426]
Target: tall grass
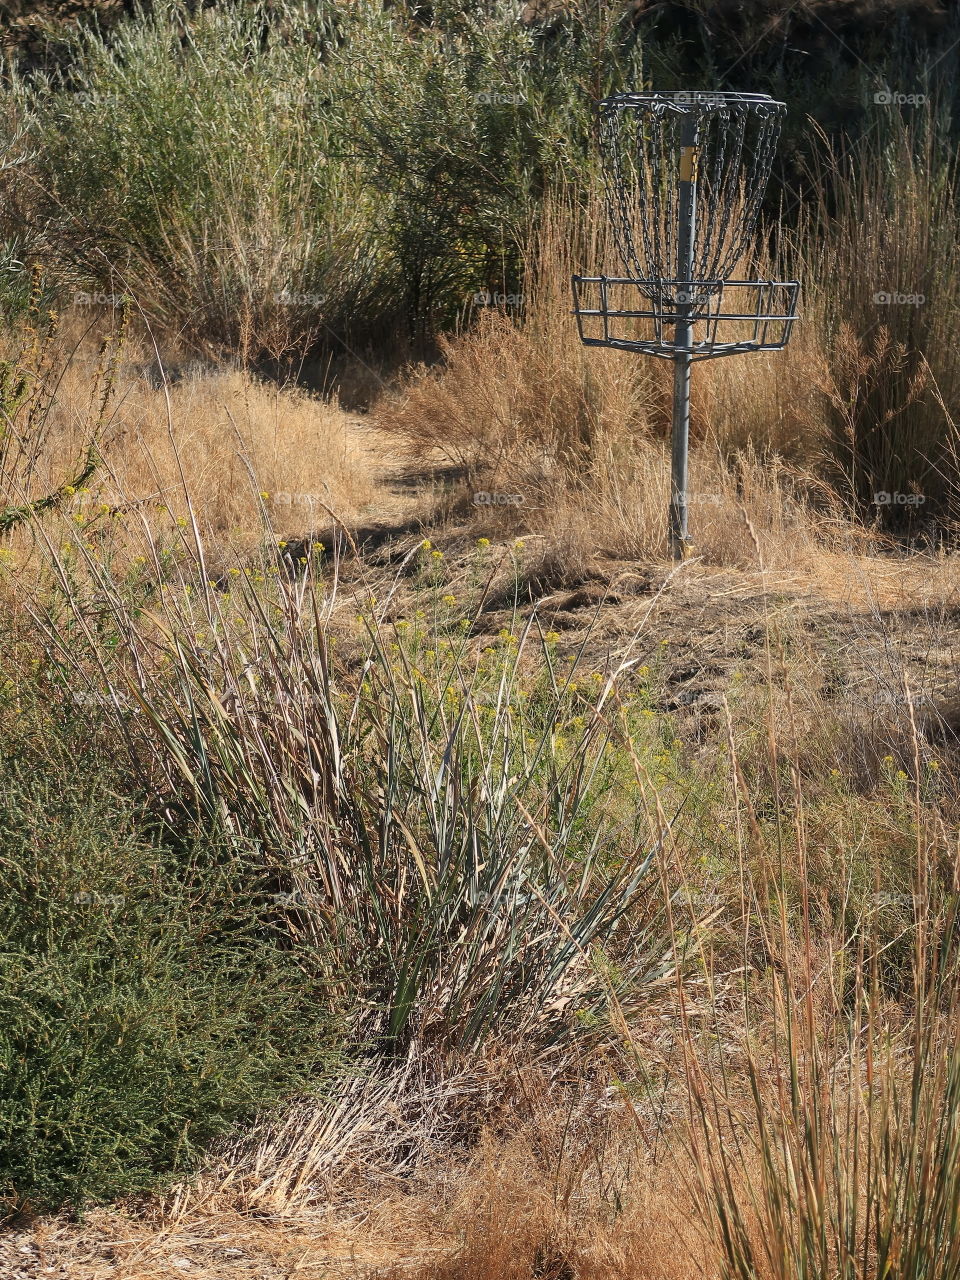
[419, 814]
[837, 1152]
[887, 321]
[189, 163]
[832, 1149]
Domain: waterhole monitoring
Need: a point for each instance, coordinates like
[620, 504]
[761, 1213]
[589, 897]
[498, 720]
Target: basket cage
[652, 145]
[726, 317]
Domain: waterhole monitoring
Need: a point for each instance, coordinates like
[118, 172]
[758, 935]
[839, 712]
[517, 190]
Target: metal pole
[683, 340]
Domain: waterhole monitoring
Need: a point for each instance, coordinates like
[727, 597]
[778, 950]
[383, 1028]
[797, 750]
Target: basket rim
[771, 312]
[660, 283]
[684, 99]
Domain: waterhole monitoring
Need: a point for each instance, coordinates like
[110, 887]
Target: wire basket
[684, 180]
[725, 317]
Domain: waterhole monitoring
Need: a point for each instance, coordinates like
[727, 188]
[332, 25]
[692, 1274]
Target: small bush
[148, 1003]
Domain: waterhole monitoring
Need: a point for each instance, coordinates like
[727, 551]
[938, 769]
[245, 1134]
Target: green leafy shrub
[263, 176]
[191, 161]
[148, 1000]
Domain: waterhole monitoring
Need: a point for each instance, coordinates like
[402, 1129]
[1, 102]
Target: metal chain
[737, 139]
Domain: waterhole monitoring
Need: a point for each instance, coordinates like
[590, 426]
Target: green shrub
[261, 177]
[190, 162]
[148, 1000]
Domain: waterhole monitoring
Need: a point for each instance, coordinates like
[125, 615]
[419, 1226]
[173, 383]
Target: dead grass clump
[558, 439]
[571, 1192]
[239, 442]
[510, 1222]
[232, 447]
[772, 403]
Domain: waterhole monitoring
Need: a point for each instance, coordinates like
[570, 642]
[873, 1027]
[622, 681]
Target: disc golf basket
[684, 177]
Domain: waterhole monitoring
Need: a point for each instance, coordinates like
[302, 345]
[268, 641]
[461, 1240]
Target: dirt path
[403, 489]
[864, 624]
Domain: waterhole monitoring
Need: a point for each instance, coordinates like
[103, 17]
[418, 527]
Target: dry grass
[546, 1201]
[237, 439]
[561, 1177]
[604, 488]
[804, 797]
[176, 434]
[526, 1207]
[571, 441]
